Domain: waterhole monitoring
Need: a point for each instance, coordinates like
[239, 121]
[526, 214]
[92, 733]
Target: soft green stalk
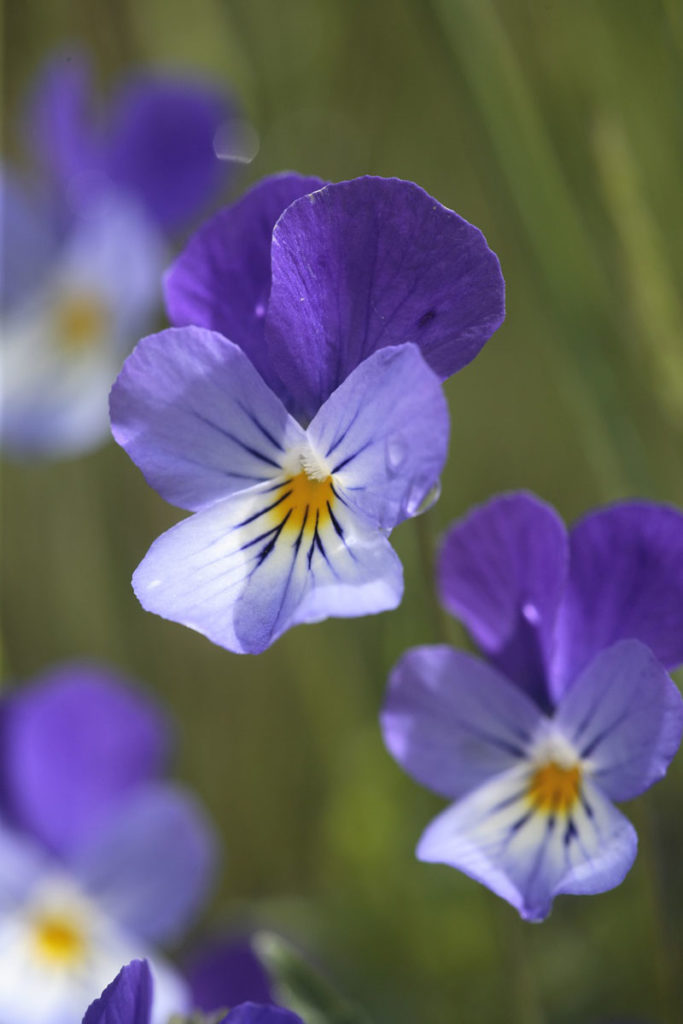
[650, 287]
[553, 220]
[300, 987]
[663, 951]
[443, 625]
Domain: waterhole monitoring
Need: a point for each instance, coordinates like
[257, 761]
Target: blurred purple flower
[128, 1000]
[304, 440]
[155, 143]
[65, 339]
[100, 858]
[83, 244]
[572, 709]
[226, 972]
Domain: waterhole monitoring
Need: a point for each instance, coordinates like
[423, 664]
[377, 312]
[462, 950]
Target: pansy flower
[224, 972]
[154, 140]
[63, 341]
[101, 859]
[572, 707]
[296, 407]
[83, 243]
[129, 999]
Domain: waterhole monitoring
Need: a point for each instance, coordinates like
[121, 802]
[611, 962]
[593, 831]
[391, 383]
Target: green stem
[665, 970]
[527, 998]
[427, 556]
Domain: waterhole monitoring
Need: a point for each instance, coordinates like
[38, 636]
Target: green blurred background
[557, 127]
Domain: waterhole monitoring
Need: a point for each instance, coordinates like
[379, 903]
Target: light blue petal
[192, 412]
[383, 434]
[624, 715]
[246, 569]
[527, 856]
[453, 722]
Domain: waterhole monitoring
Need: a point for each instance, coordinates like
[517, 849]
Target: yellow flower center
[58, 940]
[304, 504]
[81, 319]
[554, 789]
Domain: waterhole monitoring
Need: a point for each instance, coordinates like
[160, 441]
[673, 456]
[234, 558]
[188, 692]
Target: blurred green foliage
[557, 128]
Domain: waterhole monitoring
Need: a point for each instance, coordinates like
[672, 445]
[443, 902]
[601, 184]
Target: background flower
[84, 241]
[100, 858]
[225, 972]
[128, 1000]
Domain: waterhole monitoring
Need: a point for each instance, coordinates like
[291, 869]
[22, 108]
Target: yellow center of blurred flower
[81, 319]
[58, 939]
[304, 504]
[554, 789]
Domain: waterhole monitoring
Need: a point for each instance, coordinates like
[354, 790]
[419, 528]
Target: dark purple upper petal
[227, 973]
[222, 279]
[501, 571]
[372, 262]
[60, 126]
[157, 144]
[75, 744]
[127, 1000]
[625, 580]
[161, 145]
[251, 1013]
[625, 716]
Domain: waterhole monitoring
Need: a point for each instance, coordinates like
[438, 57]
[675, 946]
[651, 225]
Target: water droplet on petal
[260, 309]
[418, 502]
[396, 451]
[236, 141]
[531, 613]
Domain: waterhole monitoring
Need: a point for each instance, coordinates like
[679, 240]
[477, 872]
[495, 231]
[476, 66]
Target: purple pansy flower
[83, 245]
[297, 407]
[64, 340]
[572, 709]
[129, 999]
[100, 858]
[225, 972]
[155, 142]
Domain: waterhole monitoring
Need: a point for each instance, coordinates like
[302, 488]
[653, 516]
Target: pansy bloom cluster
[571, 707]
[296, 408]
[84, 242]
[101, 858]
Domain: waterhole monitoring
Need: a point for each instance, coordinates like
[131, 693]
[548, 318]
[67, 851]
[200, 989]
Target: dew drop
[417, 502]
[531, 613]
[236, 141]
[396, 451]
